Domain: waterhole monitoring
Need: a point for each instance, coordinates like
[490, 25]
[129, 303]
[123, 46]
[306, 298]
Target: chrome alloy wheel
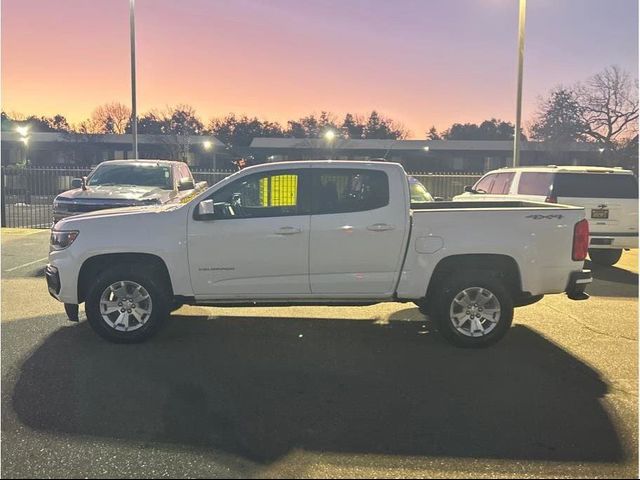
[475, 312]
[125, 306]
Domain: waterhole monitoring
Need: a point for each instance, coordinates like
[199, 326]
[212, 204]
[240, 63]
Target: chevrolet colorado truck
[126, 183]
[318, 233]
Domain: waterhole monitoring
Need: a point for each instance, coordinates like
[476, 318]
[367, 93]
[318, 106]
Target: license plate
[600, 213]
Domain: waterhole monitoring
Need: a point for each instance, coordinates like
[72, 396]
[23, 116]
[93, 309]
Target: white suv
[609, 196]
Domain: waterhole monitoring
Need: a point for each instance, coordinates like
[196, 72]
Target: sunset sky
[421, 62]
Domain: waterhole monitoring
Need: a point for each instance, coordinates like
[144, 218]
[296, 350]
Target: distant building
[209, 152]
[79, 149]
[427, 155]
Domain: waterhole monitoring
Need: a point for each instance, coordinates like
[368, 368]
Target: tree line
[115, 118]
[602, 109]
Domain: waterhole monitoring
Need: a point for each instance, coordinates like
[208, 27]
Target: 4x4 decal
[545, 217]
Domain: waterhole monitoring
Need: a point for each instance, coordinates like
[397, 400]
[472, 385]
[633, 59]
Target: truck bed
[538, 236]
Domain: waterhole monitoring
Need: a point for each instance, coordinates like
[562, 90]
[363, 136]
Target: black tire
[149, 279]
[175, 305]
[526, 301]
[452, 287]
[423, 307]
[604, 256]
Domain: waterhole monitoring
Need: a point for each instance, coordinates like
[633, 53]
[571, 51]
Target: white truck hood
[111, 214]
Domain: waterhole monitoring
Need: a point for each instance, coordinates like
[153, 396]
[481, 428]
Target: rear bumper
[613, 240]
[578, 282]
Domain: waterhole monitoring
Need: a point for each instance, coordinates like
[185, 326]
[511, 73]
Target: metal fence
[446, 185]
[28, 192]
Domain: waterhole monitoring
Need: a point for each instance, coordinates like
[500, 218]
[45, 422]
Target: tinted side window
[535, 183]
[484, 184]
[342, 190]
[595, 185]
[272, 194]
[502, 183]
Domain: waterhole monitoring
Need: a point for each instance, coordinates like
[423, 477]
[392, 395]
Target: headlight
[61, 239]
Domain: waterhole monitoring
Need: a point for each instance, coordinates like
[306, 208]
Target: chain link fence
[28, 192]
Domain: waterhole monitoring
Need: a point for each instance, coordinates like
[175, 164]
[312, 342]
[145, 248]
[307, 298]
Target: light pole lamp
[23, 131]
[207, 145]
[330, 137]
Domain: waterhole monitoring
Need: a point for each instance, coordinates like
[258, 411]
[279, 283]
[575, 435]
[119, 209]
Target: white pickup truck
[318, 233]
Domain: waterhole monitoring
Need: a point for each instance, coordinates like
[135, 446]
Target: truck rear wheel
[473, 309]
[127, 303]
[605, 256]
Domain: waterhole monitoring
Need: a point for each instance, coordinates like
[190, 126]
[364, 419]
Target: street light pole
[134, 112]
[516, 134]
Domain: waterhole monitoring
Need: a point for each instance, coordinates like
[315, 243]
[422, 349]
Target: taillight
[551, 199]
[580, 240]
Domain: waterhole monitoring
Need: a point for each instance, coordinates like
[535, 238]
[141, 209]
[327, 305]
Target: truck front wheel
[473, 309]
[127, 303]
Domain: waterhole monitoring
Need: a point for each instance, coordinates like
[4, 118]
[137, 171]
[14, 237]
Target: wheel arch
[503, 266]
[93, 265]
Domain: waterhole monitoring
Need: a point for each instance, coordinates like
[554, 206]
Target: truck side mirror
[76, 183]
[468, 189]
[205, 208]
[185, 184]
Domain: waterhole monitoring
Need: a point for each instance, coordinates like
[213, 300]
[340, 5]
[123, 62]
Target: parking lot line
[26, 264]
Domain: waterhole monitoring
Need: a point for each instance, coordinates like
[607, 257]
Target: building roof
[143, 139]
[306, 143]
[408, 145]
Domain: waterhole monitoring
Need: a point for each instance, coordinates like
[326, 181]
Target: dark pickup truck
[126, 183]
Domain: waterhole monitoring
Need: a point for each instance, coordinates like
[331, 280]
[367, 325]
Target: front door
[256, 243]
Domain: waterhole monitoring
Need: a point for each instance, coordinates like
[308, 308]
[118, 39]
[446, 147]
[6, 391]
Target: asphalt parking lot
[317, 391]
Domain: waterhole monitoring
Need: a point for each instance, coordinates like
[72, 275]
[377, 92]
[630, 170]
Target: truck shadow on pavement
[259, 387]
[612, 281]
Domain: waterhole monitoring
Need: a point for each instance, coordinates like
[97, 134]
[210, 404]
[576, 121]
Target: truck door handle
[288, 231]
[380, 227]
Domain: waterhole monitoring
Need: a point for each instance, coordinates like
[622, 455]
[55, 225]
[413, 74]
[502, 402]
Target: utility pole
[134, 111]
[516, 134]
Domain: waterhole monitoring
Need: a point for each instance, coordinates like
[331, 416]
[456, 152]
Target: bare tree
[609, 106]
[111, 117]
[89, 126]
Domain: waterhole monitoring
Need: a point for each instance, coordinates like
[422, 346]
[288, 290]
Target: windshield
[151, 175]
[419, 193]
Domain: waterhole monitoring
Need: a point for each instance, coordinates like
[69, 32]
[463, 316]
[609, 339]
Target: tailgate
[607, 215]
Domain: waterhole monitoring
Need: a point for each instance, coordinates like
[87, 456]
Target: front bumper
[578, 282]
[53, 281]
[62, 275]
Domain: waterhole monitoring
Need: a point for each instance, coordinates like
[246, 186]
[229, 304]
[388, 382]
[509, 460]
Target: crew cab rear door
[359, 224]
